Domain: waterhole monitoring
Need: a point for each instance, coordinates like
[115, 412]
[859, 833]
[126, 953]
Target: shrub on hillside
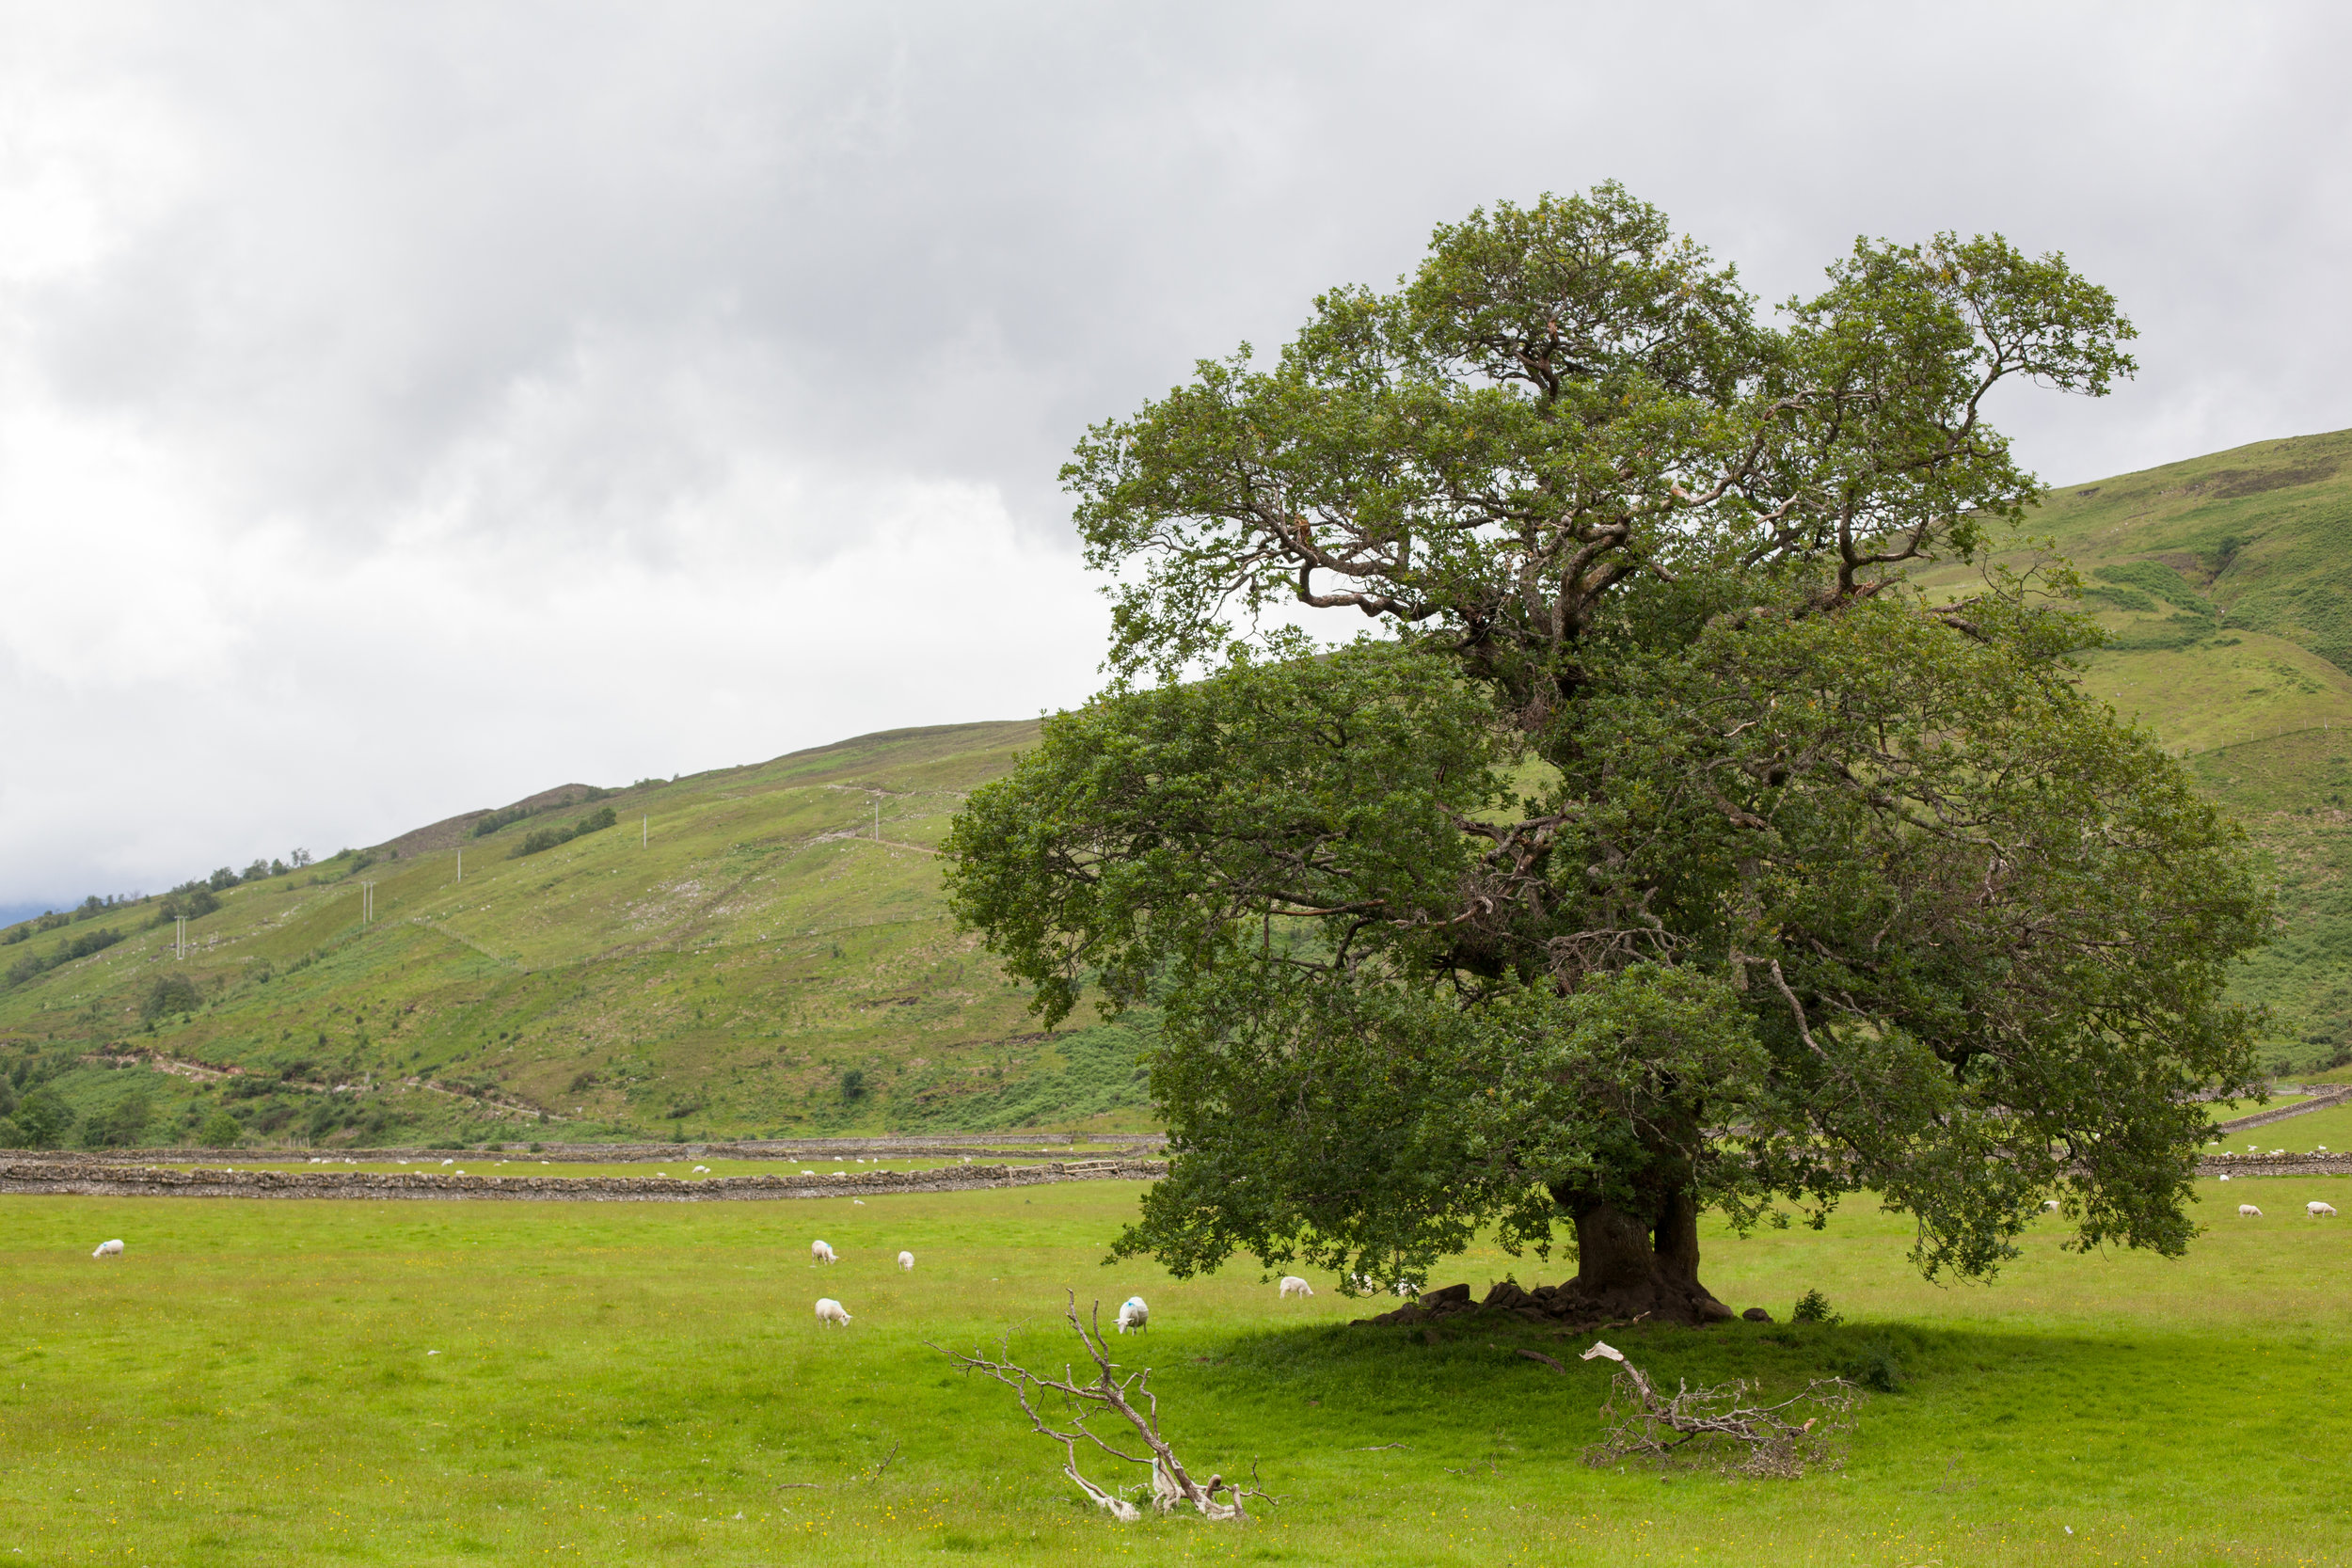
[491, 822]
[121, 1125]
[548, 838]
[167, 994]
[42, 1120]
[222, 880]
[188, 901]
[33, 964]
[221, 1130]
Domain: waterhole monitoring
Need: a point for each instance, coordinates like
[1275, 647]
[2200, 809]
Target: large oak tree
[1663, 845]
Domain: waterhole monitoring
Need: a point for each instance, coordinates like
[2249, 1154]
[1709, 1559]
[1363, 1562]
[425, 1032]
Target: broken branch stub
[1720, 1426]
[1129, 1399]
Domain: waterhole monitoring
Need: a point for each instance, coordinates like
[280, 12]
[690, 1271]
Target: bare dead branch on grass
[1720, 1427]
[1131, 1399]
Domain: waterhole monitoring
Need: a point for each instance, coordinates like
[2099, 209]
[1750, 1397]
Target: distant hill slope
[739, 953]
[2226, 581]
[736, 954]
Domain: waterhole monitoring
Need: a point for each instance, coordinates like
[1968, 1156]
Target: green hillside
[738, 954]
[2226, 582]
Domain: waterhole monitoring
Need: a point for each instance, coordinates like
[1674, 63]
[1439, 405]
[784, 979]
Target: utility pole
[367, 902]
[180, 937]
[461, 865]
[645, 831]
[878, 821]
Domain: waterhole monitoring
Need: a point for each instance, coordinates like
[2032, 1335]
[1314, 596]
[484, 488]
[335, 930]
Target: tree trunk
[1641, 1265]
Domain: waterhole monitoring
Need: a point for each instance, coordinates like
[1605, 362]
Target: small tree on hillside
[1668, 848]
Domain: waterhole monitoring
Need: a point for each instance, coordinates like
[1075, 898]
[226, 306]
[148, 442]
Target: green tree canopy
[1666, 848]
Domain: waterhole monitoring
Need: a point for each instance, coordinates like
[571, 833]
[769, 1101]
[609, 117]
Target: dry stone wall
[1042, 1146]
[111, 1179]
[2274, 1165]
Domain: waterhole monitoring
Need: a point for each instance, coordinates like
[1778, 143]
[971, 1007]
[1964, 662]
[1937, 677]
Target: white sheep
[906, 1259]
[2225, 1175]
[2319, 1210]
[819, 1253]
[1134, 1314]
[114, 1249]
[832, 1311]
[2049, 1205]
[2248, 1211]
[1294, 1286]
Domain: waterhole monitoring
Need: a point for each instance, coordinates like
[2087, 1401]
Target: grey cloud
[519, 306]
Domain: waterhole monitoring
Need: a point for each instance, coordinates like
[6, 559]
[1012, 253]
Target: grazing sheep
[1294, 1286]
[2319, 1210]
[1134, 1314]
[2049, 1205]
[2225, 1175]
[819, 1253]
[2248, 1211]
[114, 1249]
[906, 1259]
[832, 1311]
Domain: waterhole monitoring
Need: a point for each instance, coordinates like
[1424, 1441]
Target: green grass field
[2298, 1135]
[273, 1382]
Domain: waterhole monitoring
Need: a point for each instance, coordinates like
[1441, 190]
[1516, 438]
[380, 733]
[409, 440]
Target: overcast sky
[404, 409]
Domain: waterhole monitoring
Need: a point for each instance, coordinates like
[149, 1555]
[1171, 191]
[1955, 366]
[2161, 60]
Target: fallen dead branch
[1720, 1426]
[1131, 1399]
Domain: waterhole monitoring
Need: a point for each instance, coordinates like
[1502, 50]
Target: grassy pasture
[256, 1382]
[2298, 1134]
[2223, 1109]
